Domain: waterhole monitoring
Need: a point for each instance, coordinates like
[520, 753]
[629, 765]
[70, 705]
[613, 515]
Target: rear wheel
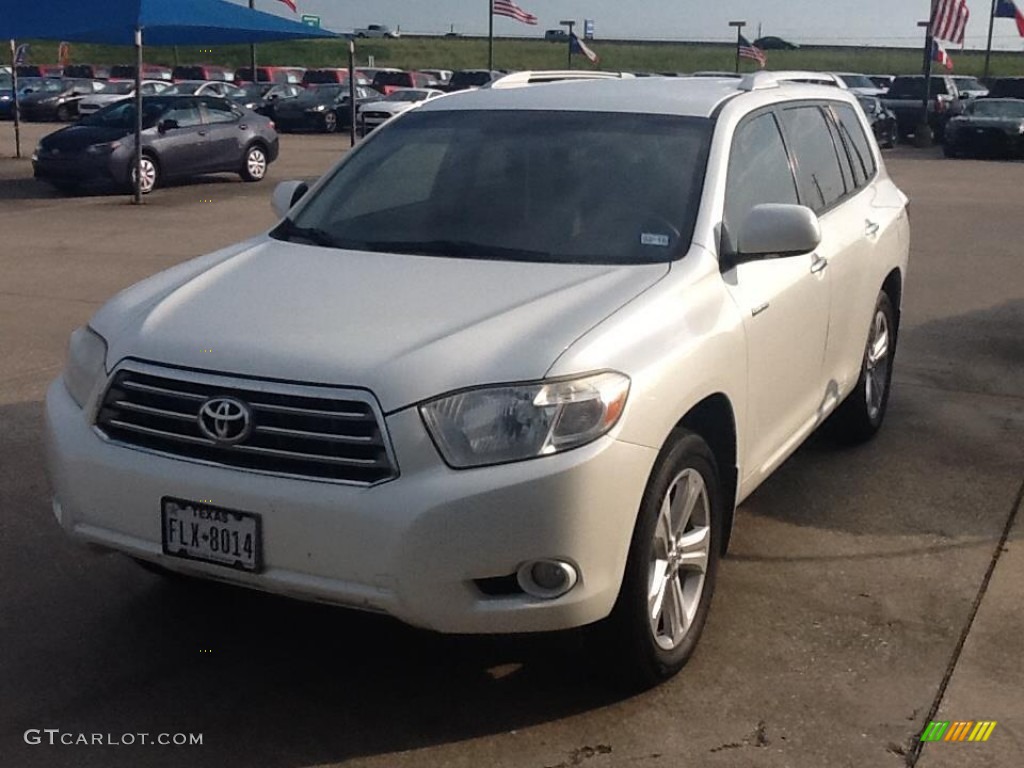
[862, 413]
[670, 575]
[254, 166]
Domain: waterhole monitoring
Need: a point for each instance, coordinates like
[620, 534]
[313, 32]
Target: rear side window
[759, 171]
[857, 144]
[218, 111]
[817, 164]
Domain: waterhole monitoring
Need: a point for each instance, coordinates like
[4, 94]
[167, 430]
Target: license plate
[198, 531]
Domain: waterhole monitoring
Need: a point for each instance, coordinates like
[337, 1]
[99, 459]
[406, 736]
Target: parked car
[883, 121]
[280, 75]
[375, 31]
[320, 108]
[861, 85]
[1007, 88]
[988, 127]
[772, 43]
[335, 75]
[273, 94]
[395, 103]
[149, 72]
[368, 73]
[207, 88]
[467, 79]
[6, 97]
[182, 136]
[525, 372]
[118, 90]
[39, 70]
[440, 76]
[970, 87]
[387, 82]
[87, 71]
[556, 36]
[202, 72]
[56, 99]
[906, 99]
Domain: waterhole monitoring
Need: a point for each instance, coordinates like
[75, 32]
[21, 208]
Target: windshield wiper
[458, 249]
[290, 232]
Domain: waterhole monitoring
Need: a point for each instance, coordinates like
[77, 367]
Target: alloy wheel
[680, 551]
[149, 174]
[876, 377]
[256, 163]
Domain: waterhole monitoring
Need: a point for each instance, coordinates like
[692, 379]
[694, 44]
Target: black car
[1006, 88]
[323, 108]
[883, 121]
[265, 96]
[56, 98]
[988, 127]
[182, 136]
[465, 79]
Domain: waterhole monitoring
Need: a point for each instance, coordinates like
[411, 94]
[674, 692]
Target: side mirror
[286, 195]
[166, 125]
[777, 230]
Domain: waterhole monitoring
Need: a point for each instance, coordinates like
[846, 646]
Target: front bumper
[412, 547]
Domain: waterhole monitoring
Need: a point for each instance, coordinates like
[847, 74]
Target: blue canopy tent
[146, 22]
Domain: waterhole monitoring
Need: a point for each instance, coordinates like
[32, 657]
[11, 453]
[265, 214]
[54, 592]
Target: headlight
[87, 352]
[103, 149]
[319, 108]
[494, 425]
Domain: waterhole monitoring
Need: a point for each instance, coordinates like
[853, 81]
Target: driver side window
[186, 116]
[759, 172]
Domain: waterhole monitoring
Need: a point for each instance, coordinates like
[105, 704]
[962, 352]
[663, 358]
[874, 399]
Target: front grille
[377, 115]
[308, 434]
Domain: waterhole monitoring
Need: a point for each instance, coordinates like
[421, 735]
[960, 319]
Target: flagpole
[17, 110]
[490, 34]
[988, 48]
[923, 132]
[252, 51]
[137, 192]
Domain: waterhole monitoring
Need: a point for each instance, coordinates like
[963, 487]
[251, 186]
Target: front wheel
[150, 175]
[254, 166]
[63, 113]
[861, 415]
[670, 574]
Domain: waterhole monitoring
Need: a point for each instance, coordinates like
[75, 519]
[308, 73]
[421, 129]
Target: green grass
[470, 53]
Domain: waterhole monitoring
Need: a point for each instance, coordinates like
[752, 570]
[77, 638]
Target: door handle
[818, 265]
[871, 228]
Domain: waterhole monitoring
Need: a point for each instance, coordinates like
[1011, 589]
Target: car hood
[39, 98]
[391, 107]
[405, 327]
[78, 137]
[106, 98]
[989, 122]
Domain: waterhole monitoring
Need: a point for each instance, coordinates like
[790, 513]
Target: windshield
[986, 108]
[119, 89]
[857, 81]
[322, 93]
[122, 115]
[51, 86]
[969, 84]
[406, 96]
[567, 187]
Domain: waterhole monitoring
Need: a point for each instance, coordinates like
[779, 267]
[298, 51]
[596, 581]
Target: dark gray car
[182, 136]
[987, 127]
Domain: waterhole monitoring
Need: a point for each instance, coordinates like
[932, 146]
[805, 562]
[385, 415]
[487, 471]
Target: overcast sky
[880, 22]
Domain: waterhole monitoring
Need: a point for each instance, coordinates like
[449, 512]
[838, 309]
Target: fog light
[547, 579]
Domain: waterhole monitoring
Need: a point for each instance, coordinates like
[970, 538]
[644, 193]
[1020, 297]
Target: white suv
[508, 367]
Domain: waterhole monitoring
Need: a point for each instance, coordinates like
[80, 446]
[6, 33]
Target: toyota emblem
[225, 420]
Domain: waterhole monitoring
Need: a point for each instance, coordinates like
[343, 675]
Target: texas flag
[939, 55]
[291, 4]
[1007, 9]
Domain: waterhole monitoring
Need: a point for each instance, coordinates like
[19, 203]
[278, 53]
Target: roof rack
[520, 79]
[759, 81]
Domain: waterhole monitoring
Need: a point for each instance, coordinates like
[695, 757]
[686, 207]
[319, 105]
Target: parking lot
[851, 582]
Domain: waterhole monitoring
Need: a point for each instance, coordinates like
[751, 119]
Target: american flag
[291, 4]
[950, 21]
[750, 51]
[513, 11]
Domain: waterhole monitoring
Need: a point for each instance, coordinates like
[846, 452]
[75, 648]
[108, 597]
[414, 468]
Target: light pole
[570, 25]
[252, 50]
[739, 37]
[923, 131]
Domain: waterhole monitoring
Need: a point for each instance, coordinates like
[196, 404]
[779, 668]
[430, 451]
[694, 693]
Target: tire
[860, 416]
[641, 642]
[150, 174]
[254, 164]
[330, 122]
[63, 113]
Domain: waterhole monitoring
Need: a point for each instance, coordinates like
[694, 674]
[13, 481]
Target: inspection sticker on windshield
[648, 238]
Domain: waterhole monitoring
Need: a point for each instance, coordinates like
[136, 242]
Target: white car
[376, 113]
[862, 85]
[525, 373]
[118, 90]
